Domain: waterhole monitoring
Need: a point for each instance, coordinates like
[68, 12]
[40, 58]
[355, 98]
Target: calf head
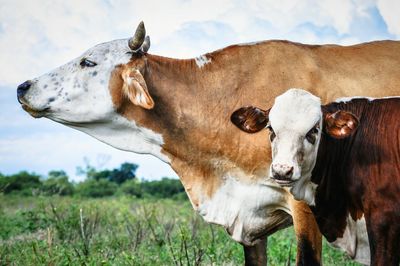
[87, 92]
[295, 122]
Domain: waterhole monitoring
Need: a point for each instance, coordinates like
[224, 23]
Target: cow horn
[146, 44]
[137, 40]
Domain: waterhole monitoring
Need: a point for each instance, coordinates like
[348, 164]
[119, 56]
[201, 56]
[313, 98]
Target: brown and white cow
[178, 111]
[343, 159]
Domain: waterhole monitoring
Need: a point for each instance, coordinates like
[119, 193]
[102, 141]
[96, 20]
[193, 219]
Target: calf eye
[271, 133]
[311, 135]
[87, 63]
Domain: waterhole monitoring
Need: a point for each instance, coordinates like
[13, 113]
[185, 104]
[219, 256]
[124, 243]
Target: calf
[343, 159]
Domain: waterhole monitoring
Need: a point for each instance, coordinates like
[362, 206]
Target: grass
[124, 231]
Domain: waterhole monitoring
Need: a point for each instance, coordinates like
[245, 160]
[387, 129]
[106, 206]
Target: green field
[123, 231]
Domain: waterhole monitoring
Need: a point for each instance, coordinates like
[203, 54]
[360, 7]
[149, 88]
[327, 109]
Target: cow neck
[192, 113]
[333, 175]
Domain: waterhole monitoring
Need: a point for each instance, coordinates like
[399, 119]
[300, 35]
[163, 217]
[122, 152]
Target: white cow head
[78, 93]
[295, 122]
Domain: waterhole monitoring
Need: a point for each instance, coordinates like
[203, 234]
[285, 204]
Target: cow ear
[250, 119]
[135, 88]
[340, 124]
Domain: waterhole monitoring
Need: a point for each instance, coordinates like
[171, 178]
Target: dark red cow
[342, 159]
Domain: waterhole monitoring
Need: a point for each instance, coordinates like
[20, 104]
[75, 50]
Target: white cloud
[390, 11]
[340, 13]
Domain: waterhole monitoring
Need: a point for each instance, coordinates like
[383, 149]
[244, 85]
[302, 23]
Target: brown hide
[360, 175]
[192, 104]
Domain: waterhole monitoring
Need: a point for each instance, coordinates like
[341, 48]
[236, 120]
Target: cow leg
[384, 239]
[256, 255]
[309, 238]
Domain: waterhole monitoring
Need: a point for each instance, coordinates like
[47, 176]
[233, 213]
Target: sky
[37, 36]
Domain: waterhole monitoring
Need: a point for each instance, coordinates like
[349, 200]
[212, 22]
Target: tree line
[97, 183]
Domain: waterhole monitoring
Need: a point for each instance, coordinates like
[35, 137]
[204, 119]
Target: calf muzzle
[282, 174]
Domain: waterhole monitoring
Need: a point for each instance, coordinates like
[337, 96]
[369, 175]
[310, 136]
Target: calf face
[295, 122]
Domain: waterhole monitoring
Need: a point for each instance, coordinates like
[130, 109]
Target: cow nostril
[289, 173]
[23, 88]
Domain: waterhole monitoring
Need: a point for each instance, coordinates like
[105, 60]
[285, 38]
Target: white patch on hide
[304, 190]
[355, 241]
[244, 208]
[80, 94]
[293, 114]
[202, 61]
[295, 110]
[125, 135]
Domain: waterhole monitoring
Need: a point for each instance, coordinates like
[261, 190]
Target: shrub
[22, 182]
[124, 173]
[57, 184]
[96, 188]
[165, 188]
[127, 171]
[133, 188]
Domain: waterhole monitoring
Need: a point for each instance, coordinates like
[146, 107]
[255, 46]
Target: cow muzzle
[22, 89]
[282, 174]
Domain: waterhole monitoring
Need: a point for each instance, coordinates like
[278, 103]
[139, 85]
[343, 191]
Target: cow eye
[271, 133]
[87, 63]
[311, 135]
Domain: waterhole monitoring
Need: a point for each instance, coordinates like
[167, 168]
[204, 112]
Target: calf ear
[340, 124]
[135, 88]
[250, 119]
